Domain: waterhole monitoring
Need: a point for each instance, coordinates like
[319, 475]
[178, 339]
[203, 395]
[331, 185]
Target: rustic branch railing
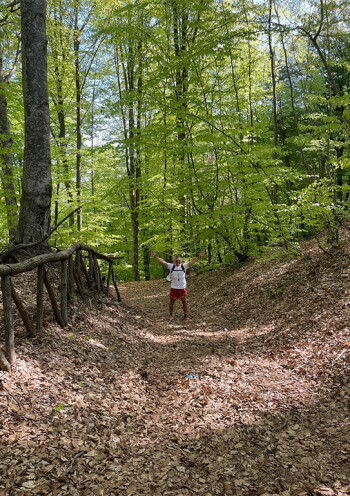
[70, 271]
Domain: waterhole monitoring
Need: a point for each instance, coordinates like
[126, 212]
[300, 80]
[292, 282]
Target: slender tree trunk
[58, 53]
[57, 204]
[180, 36]
[333, 88]
[165, 180]
[138, 146]
[274, 81]
[292, 99]
[6, 164]
[6, 160]
[146, 261]
[78, 116]
[131, 154]
[250, 101]
[34, 218]
[92, 137]
[322, 56]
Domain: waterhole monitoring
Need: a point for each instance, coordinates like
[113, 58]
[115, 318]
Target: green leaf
[59, 407]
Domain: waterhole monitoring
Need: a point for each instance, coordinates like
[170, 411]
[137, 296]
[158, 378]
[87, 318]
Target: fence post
[99, 275]
[64, 292]
[77, 265]
[96, 276]
[70, 276]
[23, 312]
[39, 299]
[52, 297]
[91, 268]
[8, 319]
[77, 276]
[110, 267]
[85, 270]
[115, 285]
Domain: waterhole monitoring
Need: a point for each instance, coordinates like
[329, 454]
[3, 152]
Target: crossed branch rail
[70, 274]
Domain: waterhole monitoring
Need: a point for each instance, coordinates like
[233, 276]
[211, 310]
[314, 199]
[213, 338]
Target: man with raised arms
[177, 276]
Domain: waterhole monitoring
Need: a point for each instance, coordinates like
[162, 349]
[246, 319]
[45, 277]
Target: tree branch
[14, 66]
[321, 21]
[5, 255]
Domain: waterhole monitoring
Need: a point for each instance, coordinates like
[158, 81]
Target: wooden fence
[73, 271]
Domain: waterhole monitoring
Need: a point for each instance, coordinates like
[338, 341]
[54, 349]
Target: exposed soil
[250, 397]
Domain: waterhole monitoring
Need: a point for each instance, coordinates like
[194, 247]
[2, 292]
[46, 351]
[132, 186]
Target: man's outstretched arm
[194, 260]
[163, 262]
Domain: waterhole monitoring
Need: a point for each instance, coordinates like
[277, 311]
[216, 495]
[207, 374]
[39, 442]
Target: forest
[177, 126]
[133, 133]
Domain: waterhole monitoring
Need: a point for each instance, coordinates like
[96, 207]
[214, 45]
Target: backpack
[172, 270]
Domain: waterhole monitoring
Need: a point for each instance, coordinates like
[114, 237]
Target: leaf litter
[250, 397]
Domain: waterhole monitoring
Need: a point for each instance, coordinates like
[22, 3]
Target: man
[177, 275]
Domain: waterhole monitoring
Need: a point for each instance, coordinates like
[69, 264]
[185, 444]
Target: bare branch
[321, 21]
[313, 39]
[15, 63]
[11, 7]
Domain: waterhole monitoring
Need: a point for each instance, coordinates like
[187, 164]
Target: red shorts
[177, 293]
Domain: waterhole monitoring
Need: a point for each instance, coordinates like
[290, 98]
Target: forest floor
[250, 397]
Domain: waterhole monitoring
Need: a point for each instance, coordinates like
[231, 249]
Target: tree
[60, 64]
[185, 124]
[129, 71]
[7, 175]
[34, 218]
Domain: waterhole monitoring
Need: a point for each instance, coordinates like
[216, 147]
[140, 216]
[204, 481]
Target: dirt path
[248, 398]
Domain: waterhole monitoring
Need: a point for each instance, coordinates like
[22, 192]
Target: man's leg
[184, 305]
[171, 305]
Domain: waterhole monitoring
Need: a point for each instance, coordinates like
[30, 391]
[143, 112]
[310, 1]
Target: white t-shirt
[178, 276]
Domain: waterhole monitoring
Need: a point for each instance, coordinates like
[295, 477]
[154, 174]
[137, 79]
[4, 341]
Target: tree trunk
[6, 166]
[34, 218]
[274, 81]
[180, 26]
[5, 155]
[39, 299]
[292, 99]
[133, 187]
[58, 53]
[78, 117]
[8, 319]
[146, 262]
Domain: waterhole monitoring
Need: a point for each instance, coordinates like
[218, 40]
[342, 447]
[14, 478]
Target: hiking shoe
[170, 317]
[186, 317]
